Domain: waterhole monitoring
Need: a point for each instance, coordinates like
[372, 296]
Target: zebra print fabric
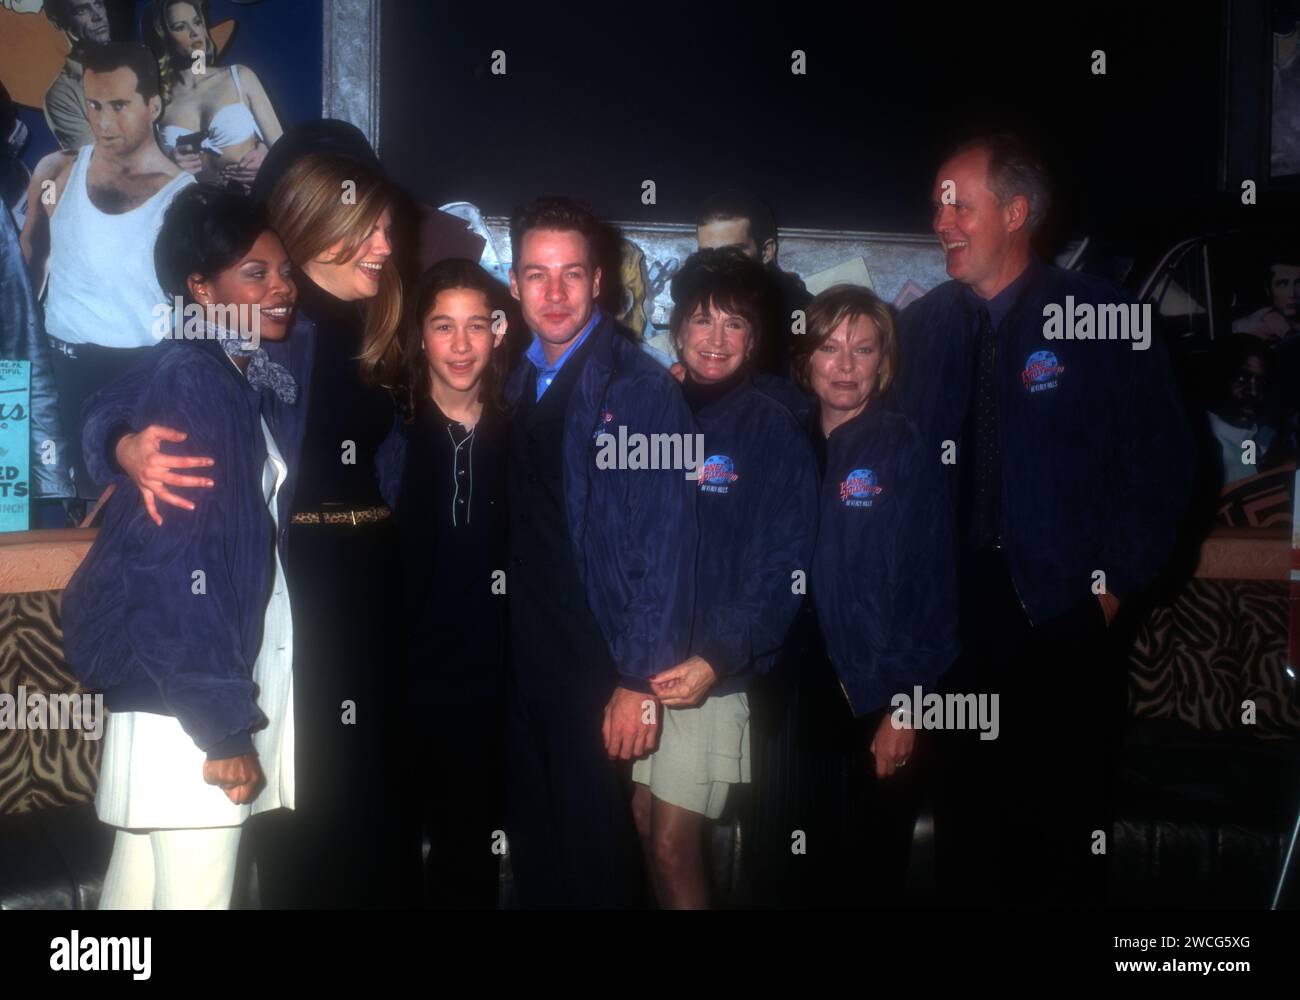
[40, 768]
[1219, 649]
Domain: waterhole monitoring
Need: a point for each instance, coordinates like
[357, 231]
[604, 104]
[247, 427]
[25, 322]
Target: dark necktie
[984, 452]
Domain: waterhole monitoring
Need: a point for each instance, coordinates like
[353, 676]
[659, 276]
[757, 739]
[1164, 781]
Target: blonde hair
[310, 214]
[160, 41]
[831, 308]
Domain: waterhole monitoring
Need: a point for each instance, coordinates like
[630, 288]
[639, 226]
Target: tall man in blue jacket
[601, 576]
[1050, 401]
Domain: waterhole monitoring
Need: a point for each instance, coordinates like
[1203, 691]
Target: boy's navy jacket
[757, 509]
[884, 572]
[137, 624]
[633, 530]
[112, 411]
[1096, 452]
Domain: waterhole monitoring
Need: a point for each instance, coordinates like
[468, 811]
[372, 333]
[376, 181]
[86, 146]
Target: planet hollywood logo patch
[1041, 371]
[860, 489]
[717, 474]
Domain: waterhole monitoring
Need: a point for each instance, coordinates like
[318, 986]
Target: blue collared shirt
[546, 372]
[1001, 304]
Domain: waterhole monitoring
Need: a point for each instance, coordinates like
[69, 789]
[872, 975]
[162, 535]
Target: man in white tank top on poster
[92, 220]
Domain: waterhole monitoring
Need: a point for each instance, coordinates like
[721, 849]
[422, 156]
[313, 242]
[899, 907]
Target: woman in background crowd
[217, 121]
[757, 509]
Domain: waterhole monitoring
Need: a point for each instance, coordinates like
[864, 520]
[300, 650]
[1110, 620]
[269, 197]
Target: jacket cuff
[114, 435]
[719, 657]
[639, 684]
[235, 745]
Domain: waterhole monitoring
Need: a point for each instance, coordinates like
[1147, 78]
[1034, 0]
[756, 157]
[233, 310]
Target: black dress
[339, 847]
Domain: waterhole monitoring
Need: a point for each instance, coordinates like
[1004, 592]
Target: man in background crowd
[739, 219]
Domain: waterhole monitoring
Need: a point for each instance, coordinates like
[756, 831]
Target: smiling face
[261, 281]
[1284, 289]
[120, 117]
[458, 338]
[556, 282]
[844, 369]
[713, 344]
[977, 233]
[186, 29]
[358, 276]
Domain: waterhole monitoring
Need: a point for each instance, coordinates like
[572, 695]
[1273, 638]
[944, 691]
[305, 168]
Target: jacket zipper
[846, 696]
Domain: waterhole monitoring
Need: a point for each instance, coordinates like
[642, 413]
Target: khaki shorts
[702, 752]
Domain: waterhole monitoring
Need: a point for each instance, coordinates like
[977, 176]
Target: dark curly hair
[205, 230]
[728, 280]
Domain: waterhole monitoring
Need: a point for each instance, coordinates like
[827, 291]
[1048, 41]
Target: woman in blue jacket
[186, 627]
[340, 847]
[881, 622]
[757, 509]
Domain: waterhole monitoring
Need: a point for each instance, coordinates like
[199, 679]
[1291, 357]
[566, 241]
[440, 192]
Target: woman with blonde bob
[880, 622]
[338, 847]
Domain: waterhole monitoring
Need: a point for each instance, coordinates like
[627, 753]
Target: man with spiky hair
[602, 571]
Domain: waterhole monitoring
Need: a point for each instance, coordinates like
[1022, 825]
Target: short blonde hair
[824, 315]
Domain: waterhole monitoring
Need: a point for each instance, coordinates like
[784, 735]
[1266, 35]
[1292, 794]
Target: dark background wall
[697, 95]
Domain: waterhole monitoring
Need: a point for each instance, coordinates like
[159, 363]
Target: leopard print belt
[367, 516]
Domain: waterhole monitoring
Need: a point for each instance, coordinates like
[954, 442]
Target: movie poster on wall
[15, 437]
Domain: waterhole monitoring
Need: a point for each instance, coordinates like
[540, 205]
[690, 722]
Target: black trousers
[75, 381]
[1025, 819]
[341, 846]
[573, 843]
[819, 829]
[456, 754]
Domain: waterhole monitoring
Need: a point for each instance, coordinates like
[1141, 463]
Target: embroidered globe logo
[1041, 367]
[717, 470]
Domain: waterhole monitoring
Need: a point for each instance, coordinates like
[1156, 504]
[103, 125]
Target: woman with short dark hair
[340, 846]
[756, 505]
[187, 627]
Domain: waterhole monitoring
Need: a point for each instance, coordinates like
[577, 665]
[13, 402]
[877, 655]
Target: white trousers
[172, 869]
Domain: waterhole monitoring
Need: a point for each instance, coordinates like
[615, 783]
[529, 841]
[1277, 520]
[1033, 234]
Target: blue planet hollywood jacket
[884, 572]
[136, 624]
[113, 411]
[757, 509]
[633, 530]
[1096, 452]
